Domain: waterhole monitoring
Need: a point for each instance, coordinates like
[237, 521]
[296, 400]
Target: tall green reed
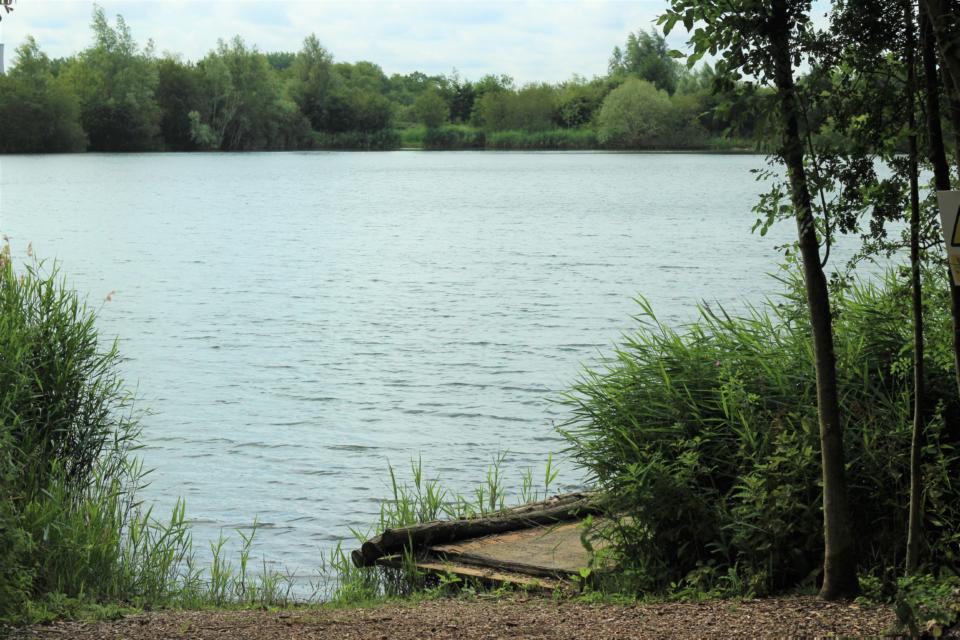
[706, 437]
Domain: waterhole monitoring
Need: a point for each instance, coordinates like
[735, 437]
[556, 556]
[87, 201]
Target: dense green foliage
[37, 112]
[117, 96]
[705, 439]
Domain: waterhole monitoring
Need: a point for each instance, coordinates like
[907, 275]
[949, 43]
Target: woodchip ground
[483, 618]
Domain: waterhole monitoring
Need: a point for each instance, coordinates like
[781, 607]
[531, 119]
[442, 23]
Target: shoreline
[665, 152]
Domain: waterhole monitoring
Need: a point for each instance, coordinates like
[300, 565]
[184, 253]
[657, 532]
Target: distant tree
[462, 98]
[431, 109]
[281, 60]
[244, 105]
[116, 83]
[634, 115]
[369, 111]
[364, 75]
[179, 91]
[311, 84]
[532, 108]
[578, 101]
[37, 113]
[646, 56]
[616, 61]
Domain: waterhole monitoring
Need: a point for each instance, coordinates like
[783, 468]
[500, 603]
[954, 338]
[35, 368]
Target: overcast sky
[529, 40]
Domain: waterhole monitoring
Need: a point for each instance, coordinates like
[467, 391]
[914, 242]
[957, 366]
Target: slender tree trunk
[916, 515]
[839, 563]
[943, 18]
[938, 158]
[935, 146]
[945, 25]
[953, 100]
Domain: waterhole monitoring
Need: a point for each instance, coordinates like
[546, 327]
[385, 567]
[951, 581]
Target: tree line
[118, 96]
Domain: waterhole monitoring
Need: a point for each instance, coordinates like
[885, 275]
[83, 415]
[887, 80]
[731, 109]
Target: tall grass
[383, 140]
[71, 524]
[707, 438]
[454, 137]
[424, 499]
[558, 139]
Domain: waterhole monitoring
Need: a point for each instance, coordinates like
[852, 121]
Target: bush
[707, 439]
[634, 115]
[928, 605]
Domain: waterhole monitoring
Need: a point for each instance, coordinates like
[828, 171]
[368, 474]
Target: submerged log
[418, 536]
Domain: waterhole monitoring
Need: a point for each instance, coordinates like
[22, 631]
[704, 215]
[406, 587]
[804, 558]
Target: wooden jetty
[537, 544]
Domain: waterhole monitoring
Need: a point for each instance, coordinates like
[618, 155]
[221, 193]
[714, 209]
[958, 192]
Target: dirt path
[514, 618]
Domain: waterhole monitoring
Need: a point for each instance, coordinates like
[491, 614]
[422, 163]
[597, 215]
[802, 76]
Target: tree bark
[839, 564]
[938, 158]
[914, 528]
[935, 146]
[944, 21]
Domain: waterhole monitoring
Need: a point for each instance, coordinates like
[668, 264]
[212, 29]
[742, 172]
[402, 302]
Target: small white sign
[950, 221]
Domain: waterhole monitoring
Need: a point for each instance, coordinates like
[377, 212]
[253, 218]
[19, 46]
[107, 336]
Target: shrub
[706, 438]
[928, 605]
[634, 115]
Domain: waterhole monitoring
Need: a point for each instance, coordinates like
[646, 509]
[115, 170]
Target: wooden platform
[537, 545]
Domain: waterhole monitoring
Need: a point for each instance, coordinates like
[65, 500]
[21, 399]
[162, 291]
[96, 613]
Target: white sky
[531, 40]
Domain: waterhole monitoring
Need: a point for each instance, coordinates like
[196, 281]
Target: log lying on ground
[418, 536]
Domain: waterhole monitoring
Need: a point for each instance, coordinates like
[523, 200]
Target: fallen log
[418, 536]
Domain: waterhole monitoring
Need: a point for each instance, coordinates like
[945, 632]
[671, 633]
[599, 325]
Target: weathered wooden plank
[413, 538]
[555, 551]
[485, 575]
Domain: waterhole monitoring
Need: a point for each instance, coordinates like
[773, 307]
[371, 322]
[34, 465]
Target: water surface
[296, 320]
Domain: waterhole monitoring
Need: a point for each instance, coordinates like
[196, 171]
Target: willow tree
[765, 39]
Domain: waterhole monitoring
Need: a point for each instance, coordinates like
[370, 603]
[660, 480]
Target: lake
[296, 321]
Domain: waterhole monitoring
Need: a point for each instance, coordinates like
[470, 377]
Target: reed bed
[706, 437]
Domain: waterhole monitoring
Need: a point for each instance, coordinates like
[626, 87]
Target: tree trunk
[839, 563]
[916, 445]
[944, 22]
[938, 158]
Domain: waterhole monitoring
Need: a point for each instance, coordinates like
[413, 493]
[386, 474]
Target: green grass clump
[707, 438]
[423, 499]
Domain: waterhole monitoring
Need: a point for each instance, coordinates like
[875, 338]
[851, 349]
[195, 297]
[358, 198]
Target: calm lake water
[297, 321]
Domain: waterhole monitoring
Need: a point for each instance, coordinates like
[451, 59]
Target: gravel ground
[481, 619]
